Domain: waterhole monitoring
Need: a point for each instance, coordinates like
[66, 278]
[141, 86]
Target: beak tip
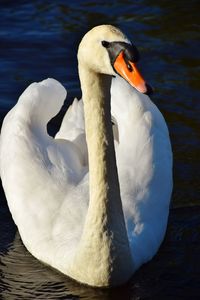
[149, 90]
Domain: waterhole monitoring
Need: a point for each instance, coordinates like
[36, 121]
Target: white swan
[96, 225]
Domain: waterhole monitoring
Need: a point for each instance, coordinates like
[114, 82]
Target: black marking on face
[130, 52]
[105, 44]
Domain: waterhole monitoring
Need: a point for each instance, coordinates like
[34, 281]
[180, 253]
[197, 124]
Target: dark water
[174, 273]
[40, 40]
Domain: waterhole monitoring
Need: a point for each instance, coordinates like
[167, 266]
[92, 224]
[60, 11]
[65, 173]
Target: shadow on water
[39, 39]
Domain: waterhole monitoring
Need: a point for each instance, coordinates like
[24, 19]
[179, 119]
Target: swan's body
[97, 234]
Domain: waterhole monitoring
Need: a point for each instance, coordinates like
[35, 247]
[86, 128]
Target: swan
[93, 201]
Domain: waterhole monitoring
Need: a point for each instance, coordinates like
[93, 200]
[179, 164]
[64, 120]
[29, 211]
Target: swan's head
[106, 50]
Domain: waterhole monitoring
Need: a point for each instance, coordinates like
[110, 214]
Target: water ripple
[174, 272]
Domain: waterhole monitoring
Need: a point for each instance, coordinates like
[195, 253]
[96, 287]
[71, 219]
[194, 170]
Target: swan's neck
[104, 184]
[103, 257]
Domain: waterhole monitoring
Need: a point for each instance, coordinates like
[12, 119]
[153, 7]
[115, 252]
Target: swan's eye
[129, 67]
[105, 44]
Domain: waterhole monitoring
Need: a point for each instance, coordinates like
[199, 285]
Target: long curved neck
[103, 256]
[104, 184]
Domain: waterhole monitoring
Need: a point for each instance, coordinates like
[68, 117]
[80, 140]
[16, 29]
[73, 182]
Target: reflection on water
[40, 40]
[173, 273]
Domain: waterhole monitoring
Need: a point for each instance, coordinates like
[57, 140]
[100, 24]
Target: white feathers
[46, 180]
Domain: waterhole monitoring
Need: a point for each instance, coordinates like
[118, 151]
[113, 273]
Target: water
[40, 40]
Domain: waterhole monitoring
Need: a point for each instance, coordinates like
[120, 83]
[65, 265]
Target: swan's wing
[144, 161]
[42, 176]
[73, 121]
[73, 128]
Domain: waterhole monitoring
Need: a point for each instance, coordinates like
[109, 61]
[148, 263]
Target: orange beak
[130, 72]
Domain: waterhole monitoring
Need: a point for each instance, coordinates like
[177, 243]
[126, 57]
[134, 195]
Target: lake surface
[40, 40]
